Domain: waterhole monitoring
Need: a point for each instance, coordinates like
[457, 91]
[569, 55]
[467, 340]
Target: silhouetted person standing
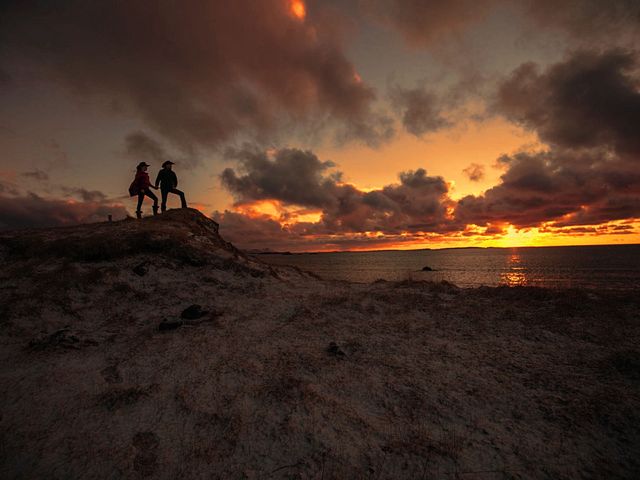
[141, 186]
[168, 182]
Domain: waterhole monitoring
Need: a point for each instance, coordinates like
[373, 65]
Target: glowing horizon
[363, 125]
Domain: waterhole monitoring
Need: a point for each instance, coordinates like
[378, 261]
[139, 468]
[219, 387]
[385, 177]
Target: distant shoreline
[268, 252]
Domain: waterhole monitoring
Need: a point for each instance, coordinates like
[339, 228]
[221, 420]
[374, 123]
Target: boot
[138, 214]
[155, 209]
[163, 208]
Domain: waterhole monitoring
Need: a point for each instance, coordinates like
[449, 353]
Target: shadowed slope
[287, 376]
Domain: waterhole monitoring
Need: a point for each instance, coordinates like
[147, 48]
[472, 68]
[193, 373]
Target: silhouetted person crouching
[141, 186]
[168, 182]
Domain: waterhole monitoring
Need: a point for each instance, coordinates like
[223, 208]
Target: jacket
[140, 183]
[167, 179]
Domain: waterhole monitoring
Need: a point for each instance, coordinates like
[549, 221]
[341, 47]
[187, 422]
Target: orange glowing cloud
[277, 211]
[298, 9]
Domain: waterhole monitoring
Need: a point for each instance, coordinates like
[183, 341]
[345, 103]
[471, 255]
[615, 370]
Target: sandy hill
[156, 349]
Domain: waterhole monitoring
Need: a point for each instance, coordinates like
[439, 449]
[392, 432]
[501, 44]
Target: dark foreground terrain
[283, 375]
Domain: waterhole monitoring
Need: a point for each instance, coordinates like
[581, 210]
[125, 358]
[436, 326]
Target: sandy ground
[288, 376]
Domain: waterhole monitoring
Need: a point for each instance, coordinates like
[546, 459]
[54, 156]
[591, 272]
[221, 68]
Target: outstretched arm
[158, 179]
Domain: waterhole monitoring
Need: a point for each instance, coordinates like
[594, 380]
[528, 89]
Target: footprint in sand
[111, 374]
[146, 460]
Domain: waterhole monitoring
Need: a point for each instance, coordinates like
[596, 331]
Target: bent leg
[152, 196]
[163, 205]
[182, 199]
[140, 199]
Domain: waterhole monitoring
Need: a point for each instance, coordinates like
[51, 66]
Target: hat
[142, 164]
[168, 162]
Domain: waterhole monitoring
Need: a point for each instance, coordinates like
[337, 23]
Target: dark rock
[627, 363]
[193, 312]
[210, 317]
[141, 269]
[427, 269]
[59, 339]
[334, 349]
[145, 462]
[111, 374]
[166, 325]
[121, 397]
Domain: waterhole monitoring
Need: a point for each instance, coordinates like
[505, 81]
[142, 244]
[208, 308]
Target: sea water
[610, 267]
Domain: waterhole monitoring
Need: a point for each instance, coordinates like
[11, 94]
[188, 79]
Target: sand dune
[290, 376]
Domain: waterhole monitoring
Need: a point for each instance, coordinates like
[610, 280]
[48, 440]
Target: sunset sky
[330, 124]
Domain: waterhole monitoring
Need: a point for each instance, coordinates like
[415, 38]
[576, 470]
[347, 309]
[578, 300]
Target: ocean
[609, 267]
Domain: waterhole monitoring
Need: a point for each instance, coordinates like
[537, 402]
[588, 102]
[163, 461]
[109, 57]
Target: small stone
[167, 325]
[140, 270]
[427, 269]
[111, 374]
[334, 349]
[193, 312]
[146, 460]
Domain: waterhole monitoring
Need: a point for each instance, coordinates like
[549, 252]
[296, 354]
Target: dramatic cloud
[291, 176]
[432, 23]
[584, 108]
[425, 23]
[590, 20]
[592, 99]
[298, 178]
[421, 110]
[474, 172]
[140, 146]
[20, 208]
[264, 233]
[587, 110]
[199, 73]
[91, 196]
[31, 211]
[37, 175]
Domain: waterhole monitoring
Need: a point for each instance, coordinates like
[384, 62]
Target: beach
[288, 375]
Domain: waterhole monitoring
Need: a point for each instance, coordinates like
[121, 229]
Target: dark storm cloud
[426, 23]
[590, 100]
[294, 177]
[90, 196]
[589, 20]
[31, 210]
[262, 233]
[421, 111]
[563, 187]
[559, 188]
[8, 187]
[197, 72]
[141, 147]
[587, 109]
[37, 175]
[257, 232]
[374, 130]
[291, 176]
[474, 172]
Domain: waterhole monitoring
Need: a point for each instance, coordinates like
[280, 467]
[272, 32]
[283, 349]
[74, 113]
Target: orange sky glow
[330, 125]
[298, 9]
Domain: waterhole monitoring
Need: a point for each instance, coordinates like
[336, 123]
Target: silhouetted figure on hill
[141, 186]
[168, 182]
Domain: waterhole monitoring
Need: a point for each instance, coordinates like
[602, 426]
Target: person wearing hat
[141, 186]
[168, 182]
